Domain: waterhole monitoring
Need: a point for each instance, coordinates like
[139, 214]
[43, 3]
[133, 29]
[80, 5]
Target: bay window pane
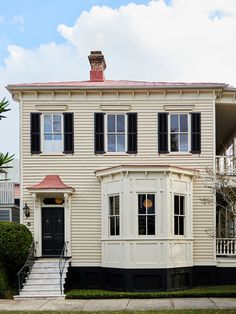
[150, 203]
[117, 205]
[176, 204]
[181, 225]
[111, 143]
[142, 225]
[183, 123]
[117, 226]
[57, 137]
[112, 225]
[120, 123]
[181, 205]
[141, 203]
[151, 224]
[111, 123]
[111, 206]
[121, 143]
[183, 142]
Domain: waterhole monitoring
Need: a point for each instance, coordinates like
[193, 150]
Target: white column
[67, 214]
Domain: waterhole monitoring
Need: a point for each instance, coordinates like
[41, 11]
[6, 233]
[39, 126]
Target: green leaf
[4, 104]
[5, 159]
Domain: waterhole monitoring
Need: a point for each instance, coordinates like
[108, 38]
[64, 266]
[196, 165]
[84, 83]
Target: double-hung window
[114, 215]
[179, 214]
[146, 214]
[116, 133]
[52, 133]
[179, 132]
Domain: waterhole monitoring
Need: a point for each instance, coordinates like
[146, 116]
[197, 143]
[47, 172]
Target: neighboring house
[113, 170]
[10, 193]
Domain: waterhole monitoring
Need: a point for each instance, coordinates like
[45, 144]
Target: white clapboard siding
[77, 170]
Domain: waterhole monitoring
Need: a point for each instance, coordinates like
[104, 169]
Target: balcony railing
[226, 165]
[6, 193]
[226, 247]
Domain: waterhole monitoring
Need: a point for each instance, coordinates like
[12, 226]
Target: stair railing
[62, 263]
[24, 272]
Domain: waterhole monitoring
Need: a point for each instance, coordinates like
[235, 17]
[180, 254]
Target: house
[10, 193]
[113, 175]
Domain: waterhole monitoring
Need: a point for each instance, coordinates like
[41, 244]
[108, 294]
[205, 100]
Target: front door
[52, 230]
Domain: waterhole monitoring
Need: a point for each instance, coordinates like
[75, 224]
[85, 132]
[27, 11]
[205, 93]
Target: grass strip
[213, 291]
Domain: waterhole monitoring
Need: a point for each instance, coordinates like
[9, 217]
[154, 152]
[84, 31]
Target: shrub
[15, 241]
[4, 284]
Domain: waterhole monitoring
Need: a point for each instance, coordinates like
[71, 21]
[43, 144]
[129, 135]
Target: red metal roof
[52, 182]
[115, 84]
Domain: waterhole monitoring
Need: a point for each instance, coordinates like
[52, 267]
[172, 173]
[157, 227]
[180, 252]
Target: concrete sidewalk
[116, 304]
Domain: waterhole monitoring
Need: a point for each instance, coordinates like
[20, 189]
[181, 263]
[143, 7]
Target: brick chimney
[98, 66]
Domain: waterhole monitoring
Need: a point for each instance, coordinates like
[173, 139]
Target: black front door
[52, 231]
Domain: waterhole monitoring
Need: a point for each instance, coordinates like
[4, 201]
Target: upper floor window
[179, 215]
[52, 133]
[116, 133]
[146, 214]
[114, 215]
[179, 133]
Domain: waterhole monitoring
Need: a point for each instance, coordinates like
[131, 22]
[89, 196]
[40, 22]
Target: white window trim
[178, 236]
[106, 132]
[189, 134]
[108, 215]
[146, 236]
[42, 133]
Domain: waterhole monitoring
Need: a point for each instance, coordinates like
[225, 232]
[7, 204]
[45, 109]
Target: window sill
[52, 154]
[179, 154]
[116, 154]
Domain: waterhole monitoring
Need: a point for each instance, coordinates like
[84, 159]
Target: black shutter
[163, 132]
[68, 132]
[99, 133]
[196, 133]
[132, 135]
[35, 132]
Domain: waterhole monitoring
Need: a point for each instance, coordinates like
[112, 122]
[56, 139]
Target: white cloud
[19, 20]
[191, 40]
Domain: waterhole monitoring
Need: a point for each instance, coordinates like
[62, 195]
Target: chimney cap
[97, 60]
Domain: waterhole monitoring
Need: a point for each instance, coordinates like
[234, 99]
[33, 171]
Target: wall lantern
[26, 210]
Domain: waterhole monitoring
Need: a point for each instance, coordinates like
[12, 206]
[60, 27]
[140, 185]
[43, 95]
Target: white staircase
[44, 280]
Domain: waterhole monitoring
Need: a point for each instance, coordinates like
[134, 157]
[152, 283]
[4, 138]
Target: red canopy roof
[51, 182]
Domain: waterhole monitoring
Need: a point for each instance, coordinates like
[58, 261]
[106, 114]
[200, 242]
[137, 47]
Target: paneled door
[52, 231]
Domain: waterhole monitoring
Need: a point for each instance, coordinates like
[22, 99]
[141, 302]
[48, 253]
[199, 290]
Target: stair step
[40, 293]
[45, 281]
[41, 287]
[46, 271]
[46, 276]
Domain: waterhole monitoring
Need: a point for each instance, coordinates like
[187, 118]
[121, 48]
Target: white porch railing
[226, 246]
[6, 193]
[226, 165]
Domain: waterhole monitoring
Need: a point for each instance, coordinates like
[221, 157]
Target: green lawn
[213, 291]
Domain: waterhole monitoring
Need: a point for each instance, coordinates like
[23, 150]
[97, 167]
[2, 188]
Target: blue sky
[148, 40]
[30, 23]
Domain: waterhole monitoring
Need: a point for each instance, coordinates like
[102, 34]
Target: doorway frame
[38, 198]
